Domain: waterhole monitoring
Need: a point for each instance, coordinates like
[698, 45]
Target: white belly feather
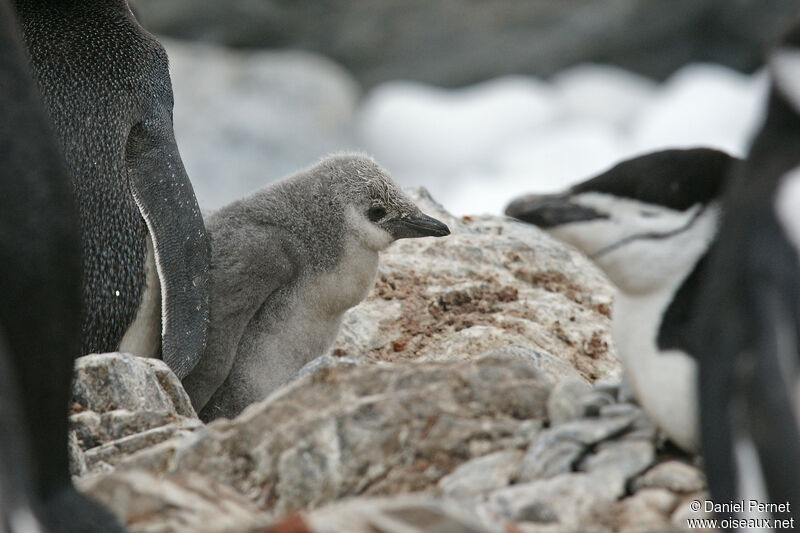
[665, 383]
[143, 336]
[271, 353]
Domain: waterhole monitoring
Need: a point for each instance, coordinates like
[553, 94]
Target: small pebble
[566, 400]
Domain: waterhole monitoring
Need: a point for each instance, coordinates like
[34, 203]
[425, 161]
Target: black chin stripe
[648, 236]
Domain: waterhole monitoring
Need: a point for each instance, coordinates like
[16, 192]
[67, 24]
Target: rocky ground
[475, 390]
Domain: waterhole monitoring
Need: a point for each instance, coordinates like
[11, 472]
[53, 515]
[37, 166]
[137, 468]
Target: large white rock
[491, 284]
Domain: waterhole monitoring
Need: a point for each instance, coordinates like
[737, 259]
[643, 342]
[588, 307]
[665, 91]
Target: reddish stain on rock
[291, 524]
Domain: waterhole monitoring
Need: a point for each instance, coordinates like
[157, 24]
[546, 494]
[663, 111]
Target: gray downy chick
[287, 262]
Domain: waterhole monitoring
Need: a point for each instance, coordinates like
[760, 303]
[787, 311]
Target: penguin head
[376, 210]
[644, 221]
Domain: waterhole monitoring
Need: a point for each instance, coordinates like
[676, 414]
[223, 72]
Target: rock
[244, 119]
[121, 404]
[593, 403]
[620, 409]
[458, 42]
[568, 499]
[530, 527]
[77, 459]
[676, 476]
[550, 456]
[404, 514]
[325, 361]
[566, 402]
[186, 503]
[608, 386]
[482, 474]
[94, 429]
[625, 458]
[683, 510]
[646, 511]
[364, 430]
[642, 427]
[557, 450]
[430, 413]
[591, 431]
[110, 453]
[493, 283]
[105, 382]
[553, 368]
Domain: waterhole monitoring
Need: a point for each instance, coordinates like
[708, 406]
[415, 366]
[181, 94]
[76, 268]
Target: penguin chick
[647, 223]
[287, 262]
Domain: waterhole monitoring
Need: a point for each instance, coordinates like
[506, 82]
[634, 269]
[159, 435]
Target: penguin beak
[550, 210]
[417, 225]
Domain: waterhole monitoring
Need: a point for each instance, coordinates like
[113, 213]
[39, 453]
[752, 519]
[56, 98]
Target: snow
[621, 93]
[246, 118]
[701, 104]
[421, 128]
[476, 148]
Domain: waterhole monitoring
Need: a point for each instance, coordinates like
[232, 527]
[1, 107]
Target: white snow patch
[476, 148]
[702, 105]
[415, 127]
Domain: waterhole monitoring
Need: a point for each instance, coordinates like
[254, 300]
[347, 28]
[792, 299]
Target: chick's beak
[417, 225]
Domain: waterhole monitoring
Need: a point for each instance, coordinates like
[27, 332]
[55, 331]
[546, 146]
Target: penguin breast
[664, 381]
[350, 281]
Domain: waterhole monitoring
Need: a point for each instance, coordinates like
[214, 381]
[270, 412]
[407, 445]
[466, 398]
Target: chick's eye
[376, 213]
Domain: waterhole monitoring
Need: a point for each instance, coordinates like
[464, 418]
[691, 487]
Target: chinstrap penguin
[40, 306]
[105, 84]
[697, 303]
[287, 262]
[746, 332]
[647, 223]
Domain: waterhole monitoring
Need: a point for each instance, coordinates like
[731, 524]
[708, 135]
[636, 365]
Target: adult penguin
[40, 301]
[746, 332]
[648, 223]
[105, 84]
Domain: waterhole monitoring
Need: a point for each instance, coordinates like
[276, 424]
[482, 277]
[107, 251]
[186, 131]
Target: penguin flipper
[748, 355]
[716, 430]
[771, 397]
[166, 200]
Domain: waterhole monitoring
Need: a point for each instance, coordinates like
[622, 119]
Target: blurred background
[477, 100]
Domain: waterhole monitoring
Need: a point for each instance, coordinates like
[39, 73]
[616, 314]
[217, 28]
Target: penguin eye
[376, 213]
